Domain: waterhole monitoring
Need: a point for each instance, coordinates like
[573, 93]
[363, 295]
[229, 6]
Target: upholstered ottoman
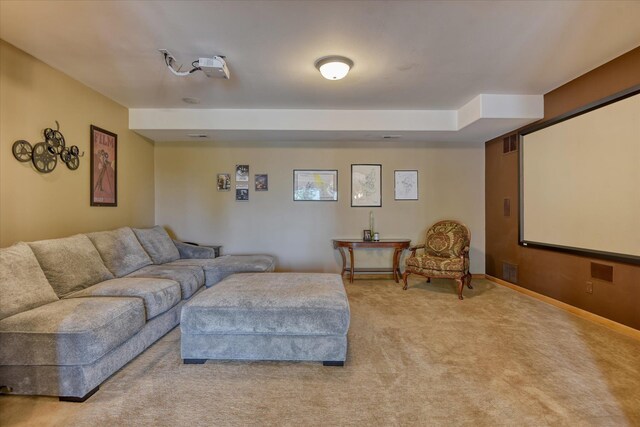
[268, 316]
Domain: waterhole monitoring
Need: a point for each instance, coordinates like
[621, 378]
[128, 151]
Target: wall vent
[602, 272]
[509, 272]
[510, 144]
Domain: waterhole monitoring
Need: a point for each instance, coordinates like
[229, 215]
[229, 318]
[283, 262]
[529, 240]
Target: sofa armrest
[190, 251]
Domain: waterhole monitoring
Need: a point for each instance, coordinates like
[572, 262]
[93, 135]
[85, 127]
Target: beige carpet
[419, 357]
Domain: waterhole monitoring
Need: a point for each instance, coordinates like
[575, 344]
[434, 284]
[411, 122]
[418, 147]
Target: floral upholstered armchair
[446, 255]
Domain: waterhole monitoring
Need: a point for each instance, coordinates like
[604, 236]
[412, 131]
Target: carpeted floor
[419, 357]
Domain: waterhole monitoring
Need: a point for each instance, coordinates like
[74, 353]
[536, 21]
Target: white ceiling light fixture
[334, 67]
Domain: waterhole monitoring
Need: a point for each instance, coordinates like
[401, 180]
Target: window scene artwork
[104, 149]
[262, 182]
[366, 185]
[406, 185]
[224, 182]
[315, 185]
[242, 173]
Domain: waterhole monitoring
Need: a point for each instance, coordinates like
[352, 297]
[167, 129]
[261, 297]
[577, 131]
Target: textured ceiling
[407, 55]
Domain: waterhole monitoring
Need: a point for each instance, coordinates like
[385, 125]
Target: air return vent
[509, 272]
[510, 144]
[602, 272]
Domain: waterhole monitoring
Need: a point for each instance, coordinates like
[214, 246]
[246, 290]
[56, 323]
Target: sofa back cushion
[158, 244]
[120, 250]
[71, 263]
[23, 285]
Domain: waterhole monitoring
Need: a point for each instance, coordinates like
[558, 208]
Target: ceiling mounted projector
[215, 66]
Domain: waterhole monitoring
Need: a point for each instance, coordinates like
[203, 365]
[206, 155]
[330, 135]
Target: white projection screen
[580, 181]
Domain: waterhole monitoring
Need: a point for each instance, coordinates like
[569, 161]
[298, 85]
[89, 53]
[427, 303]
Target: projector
[214, 67]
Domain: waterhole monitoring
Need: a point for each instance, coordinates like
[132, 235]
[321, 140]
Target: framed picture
[366, 185]
[366, 235]
[242, 173]
[262, 182]
[104, 167]
[242, 192]
[315, 185]
[224, 182]
[405, 185]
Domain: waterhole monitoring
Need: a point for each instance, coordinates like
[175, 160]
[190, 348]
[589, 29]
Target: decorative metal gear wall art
[44, 155]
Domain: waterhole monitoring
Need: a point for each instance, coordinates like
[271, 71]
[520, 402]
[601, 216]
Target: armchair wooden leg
[460, 283]
[405, 275]
[469, 281]
[428, 279]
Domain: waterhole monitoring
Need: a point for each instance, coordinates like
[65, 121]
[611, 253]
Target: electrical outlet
[589, 289]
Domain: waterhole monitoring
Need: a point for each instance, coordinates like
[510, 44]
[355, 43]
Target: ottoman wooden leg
[333, 363]
[193, 361]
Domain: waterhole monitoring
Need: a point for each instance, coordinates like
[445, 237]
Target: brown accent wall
[557, 275]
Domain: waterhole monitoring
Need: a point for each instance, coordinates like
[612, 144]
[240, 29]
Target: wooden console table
[398, 245]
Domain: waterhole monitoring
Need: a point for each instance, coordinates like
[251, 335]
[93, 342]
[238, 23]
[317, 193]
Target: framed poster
[261, 182]
[315, 185]
[242, 173]
[366, 185]
[405, 185]
[104, 167]
[242, 192]
[224, 182]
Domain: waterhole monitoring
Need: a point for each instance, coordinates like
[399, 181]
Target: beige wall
[38, 206]
[451, 185]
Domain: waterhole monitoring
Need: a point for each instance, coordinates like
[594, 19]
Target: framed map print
[405, 185]
[104, 168]
[315, 185]
[366, 185]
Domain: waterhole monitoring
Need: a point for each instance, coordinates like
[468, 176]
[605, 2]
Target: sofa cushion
[218, 268]
[190, 278]
[158, 244]
[71, 263]
[120, 250]
[74, 331]
[158, 295]
[23, 285]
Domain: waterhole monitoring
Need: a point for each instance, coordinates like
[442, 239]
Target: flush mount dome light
[334, 67]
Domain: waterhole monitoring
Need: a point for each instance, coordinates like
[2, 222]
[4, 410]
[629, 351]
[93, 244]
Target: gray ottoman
[268, 316]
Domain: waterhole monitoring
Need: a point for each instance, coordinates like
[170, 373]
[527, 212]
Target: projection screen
[580, 181]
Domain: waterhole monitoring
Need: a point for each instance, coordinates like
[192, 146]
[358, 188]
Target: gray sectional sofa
[75, 310]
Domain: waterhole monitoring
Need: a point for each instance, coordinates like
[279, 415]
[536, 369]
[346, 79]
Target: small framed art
[261, 182]
[224, 182]
[366, 185]
[242, 173]
[242, 192]
[104, 167]
[405, 184]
